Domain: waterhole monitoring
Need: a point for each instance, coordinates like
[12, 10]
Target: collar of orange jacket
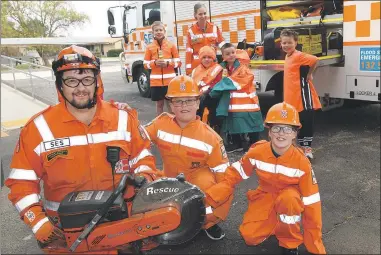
[190, 124]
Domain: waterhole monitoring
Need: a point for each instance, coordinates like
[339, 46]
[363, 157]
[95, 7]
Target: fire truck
[345, 35]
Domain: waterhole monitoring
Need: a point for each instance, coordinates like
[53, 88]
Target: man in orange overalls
[288, 192]
[202, 33]
[65, 147]
[188, 145]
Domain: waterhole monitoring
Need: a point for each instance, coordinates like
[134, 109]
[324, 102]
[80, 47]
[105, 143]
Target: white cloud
[97, 12]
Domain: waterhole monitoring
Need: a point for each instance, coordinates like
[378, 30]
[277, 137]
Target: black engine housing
[78, 208]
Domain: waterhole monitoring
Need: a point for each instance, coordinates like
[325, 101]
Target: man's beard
[83, 105]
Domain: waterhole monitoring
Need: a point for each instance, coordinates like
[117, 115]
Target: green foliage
[39, 19]
[114, 52]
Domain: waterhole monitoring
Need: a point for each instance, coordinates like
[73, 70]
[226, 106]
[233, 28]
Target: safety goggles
[286, 129]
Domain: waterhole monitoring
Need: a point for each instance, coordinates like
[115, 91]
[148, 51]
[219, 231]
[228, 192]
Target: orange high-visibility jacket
[196, 39]
[67, 155]
[196, 150]
[297, 91]
[292, 169]
[206, 78]
[240, 83]
[161, 76]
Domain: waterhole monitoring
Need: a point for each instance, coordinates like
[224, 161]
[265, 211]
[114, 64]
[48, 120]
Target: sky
[97, 12]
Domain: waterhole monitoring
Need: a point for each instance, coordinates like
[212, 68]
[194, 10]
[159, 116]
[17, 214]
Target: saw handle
[101, 211]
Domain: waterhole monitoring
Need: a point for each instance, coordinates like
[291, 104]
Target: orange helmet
[283, 113]
[182, 86]
[75, 57]
[207, 51]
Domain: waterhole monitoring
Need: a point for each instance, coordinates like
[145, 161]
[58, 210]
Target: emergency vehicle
[346, 41]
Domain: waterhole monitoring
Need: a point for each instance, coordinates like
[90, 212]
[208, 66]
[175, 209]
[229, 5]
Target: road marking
[12, 124]
[3, 134]
[27, 238]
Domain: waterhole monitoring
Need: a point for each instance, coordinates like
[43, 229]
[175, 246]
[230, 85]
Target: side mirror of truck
[110, 16]
[111, 30]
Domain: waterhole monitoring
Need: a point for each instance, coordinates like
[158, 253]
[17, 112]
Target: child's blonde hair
[156, 24]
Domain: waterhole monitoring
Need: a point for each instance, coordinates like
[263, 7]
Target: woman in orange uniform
[206, 75]
[202, 33]
[288, 193]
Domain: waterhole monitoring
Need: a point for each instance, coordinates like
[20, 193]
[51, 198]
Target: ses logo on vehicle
[148, 37]
[370, 59]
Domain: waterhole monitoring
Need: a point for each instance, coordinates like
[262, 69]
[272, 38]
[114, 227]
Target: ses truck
[345, 35]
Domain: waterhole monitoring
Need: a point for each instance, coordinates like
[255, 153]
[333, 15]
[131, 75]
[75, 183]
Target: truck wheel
[143, 82]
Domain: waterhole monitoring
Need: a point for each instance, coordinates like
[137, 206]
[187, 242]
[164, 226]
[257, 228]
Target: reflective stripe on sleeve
[142, 168]
[39, 225]
[237, 166]
[220, 168]
[208, 210]
[144, 153]
[311, 199]
[51, 205]
[27, 201]
[147, 63]
[23, 174]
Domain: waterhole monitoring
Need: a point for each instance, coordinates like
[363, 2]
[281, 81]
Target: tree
[39, 19]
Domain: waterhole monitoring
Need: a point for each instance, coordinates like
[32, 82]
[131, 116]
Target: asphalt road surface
[347, 167]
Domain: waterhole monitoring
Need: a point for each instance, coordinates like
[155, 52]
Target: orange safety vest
[196, 150]
[291, 170]
[205, 78]
[244, 98]
[196, 39]
[297, 91]
[68, 155]
[161, 76]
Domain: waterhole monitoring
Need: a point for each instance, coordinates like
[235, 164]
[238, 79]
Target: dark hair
[198, 6]
[289, 33]
[225, 46]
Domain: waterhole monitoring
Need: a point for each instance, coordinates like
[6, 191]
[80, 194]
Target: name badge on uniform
[57, 143]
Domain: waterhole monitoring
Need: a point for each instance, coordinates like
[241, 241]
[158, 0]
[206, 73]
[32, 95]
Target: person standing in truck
[202, 33]
[298, 89]
[161, 57]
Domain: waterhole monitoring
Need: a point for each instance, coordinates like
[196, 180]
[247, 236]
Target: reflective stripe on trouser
[283, 219]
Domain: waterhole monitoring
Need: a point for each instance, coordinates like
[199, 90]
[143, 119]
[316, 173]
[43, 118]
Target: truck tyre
[143, 82]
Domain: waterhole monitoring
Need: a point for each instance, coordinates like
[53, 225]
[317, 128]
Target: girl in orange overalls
[287, 194]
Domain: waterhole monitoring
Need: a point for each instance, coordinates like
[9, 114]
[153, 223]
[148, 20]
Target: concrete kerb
[44, 100]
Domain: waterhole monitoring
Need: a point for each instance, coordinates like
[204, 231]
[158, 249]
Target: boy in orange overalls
[298, 88]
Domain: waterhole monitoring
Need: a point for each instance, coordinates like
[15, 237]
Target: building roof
[58, 41]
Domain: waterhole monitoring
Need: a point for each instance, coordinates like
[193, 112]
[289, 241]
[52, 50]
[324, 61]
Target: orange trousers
[276, 214]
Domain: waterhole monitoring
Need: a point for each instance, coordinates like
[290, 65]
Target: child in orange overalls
[298, 88]
[287, 193]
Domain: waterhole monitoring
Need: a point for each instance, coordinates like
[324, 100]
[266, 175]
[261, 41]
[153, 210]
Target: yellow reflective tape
[300, 22]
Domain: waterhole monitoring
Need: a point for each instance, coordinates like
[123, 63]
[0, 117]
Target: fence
[35, 80]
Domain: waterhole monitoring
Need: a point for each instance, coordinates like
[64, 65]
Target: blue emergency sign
[148, 38]
[370, 59]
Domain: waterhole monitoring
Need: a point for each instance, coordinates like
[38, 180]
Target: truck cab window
[151, 13]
